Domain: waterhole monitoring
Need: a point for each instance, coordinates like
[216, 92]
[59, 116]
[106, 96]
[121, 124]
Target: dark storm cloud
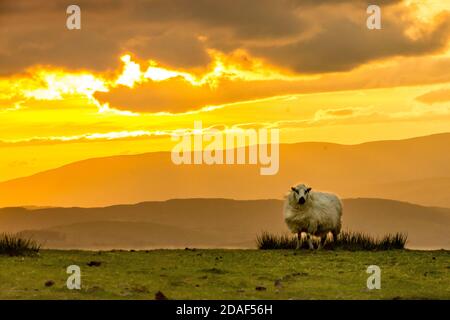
[342, 44]
[171, 47]
[246, 19]
[306, 36]
[33, 34]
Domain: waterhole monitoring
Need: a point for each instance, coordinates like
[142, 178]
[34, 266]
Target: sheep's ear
[293, 189]
[308, 190]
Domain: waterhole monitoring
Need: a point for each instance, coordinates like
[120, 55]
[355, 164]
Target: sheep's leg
[335, 235]
[323, 238]
[310, 243]
[299, 240]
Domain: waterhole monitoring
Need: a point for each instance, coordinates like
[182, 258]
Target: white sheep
[312, 212]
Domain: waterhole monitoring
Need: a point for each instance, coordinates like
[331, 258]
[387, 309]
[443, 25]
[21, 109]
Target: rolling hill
[212, 223]
[414, 170]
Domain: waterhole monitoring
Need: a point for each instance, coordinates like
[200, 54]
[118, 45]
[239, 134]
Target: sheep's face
[300, 194]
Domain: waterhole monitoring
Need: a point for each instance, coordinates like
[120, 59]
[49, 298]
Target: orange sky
[63, 101]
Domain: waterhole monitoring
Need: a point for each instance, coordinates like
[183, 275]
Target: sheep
[312, 212]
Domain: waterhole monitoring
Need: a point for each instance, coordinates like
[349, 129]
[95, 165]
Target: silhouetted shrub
[14, 245]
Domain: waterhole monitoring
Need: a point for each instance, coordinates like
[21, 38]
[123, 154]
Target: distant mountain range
[414, 170]
[211, 223]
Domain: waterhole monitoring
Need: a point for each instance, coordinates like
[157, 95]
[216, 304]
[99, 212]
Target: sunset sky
[138, 70]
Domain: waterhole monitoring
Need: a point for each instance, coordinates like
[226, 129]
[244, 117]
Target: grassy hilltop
[227, 274]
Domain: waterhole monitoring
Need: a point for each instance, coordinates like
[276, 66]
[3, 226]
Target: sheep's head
[300, 194]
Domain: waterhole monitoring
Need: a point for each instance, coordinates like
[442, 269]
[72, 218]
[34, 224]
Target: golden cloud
[437, 96]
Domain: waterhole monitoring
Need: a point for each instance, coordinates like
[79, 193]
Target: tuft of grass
[347, 240]
[360, 241]
[267, 241]
[14, 245]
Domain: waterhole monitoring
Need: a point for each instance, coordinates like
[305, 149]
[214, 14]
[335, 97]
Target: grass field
[227, 274]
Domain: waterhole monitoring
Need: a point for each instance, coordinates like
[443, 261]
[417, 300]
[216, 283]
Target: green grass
[14, 245]
[227, 274]
[347, 240]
